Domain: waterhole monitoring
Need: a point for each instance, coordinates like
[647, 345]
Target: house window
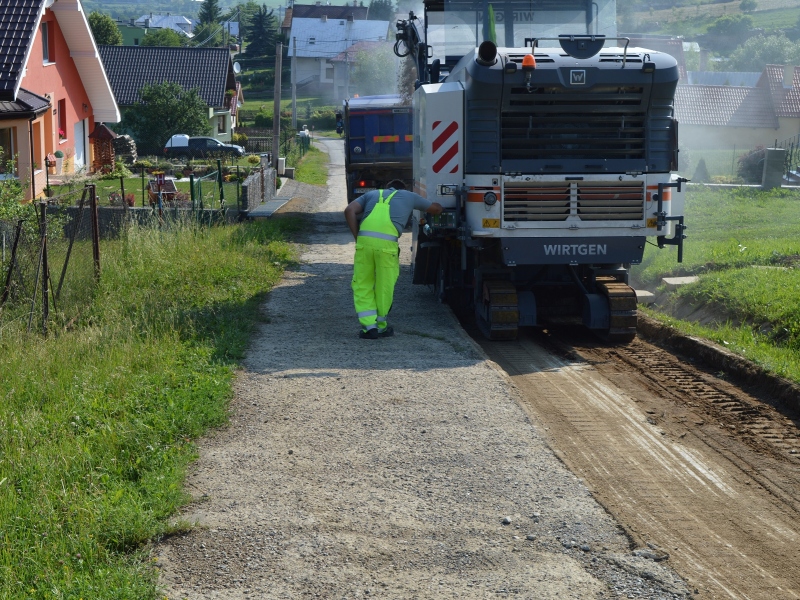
[312, 40]
[135, 41]
[48, 47]
[221, 124]
[6, 149]
[62, 120]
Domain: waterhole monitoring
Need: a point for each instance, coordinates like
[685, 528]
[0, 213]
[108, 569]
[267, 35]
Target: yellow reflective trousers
[376, 266]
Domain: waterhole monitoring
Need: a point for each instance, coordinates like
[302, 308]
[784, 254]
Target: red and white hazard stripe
[445, 147]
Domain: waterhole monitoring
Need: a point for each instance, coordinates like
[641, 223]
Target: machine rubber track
[622, 310]
[499, 317]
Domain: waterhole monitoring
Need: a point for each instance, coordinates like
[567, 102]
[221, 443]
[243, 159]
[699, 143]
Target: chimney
[350, 18]
[788, 75]
[324, 18]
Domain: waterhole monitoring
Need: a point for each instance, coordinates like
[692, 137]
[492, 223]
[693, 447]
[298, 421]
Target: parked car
[193, 147]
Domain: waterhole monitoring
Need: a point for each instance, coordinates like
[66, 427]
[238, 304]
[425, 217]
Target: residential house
[135, 30]
[724, 116]
[53, 89]
[177, 23]
[210, 70]
[317, 11]
[315, 42]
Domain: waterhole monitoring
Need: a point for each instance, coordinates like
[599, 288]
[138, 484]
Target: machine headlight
[490, 198]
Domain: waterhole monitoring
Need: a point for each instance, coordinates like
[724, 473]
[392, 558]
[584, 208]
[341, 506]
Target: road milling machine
[552, 145]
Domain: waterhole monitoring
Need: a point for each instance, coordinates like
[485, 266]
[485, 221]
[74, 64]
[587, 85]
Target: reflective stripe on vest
[378, 223]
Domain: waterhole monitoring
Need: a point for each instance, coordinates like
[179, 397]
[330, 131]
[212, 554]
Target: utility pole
[346, 74]
[294, 83]
[276, 117]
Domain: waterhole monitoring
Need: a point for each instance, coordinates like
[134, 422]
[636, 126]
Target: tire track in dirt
[650, 445]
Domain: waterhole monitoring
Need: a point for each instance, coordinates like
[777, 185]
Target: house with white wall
[314, 43]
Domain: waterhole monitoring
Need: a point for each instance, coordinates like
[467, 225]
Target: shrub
[239, 139]
[254, 159]
[118, 170]
[58, 154]
[701, 172]
[751, 165]
[324, 118]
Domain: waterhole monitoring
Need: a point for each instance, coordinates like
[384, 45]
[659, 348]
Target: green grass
[744, 247]
[313, 167]
[770, 20]
[97, 422]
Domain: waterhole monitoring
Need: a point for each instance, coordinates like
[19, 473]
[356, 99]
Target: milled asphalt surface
[392, 468]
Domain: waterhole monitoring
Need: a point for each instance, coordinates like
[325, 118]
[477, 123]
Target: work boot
[368, 334]
[387, 331]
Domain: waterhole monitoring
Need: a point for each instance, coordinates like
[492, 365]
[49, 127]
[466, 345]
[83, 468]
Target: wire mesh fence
[50, 262]
[50, 251]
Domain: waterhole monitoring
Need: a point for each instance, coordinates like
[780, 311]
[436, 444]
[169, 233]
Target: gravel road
[393, 468]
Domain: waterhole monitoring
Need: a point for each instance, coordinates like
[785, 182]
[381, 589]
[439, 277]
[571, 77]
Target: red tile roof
[725, 105]
[786, 100]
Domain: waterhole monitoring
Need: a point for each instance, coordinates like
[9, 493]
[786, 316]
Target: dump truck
[378, 143]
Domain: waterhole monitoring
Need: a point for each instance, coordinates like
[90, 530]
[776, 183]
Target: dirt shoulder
[396, 468]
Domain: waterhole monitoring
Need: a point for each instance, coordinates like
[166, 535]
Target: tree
[762, 50]
[380, 10]
[165, 109]
[163, 37]
[207, 35]
[262, 33]
[245, 13]
[104, 29]
[210, 12]
[729, 31]
[748, 5]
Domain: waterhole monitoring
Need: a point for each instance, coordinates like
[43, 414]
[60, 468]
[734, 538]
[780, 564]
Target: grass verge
[743, 246]
[313, 167]
[97, 423]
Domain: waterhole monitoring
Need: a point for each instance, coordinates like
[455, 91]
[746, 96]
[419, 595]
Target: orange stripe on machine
[386, 138]
[477, 194]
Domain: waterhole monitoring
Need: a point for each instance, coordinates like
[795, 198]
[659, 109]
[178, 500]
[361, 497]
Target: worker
[377, 261]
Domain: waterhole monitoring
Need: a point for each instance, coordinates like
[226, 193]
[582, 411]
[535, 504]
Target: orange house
[53, 89]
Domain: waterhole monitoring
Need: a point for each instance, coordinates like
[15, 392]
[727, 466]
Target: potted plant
[59, 161]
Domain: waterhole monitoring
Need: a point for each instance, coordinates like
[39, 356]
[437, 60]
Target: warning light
[362, 184]
[528, 62]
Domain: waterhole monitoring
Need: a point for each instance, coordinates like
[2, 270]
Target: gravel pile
[391, 468]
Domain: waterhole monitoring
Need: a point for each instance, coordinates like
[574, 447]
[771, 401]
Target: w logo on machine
[577, 77]
[445, 147]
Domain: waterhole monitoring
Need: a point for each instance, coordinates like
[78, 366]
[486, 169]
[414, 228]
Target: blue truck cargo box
[379, 129]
